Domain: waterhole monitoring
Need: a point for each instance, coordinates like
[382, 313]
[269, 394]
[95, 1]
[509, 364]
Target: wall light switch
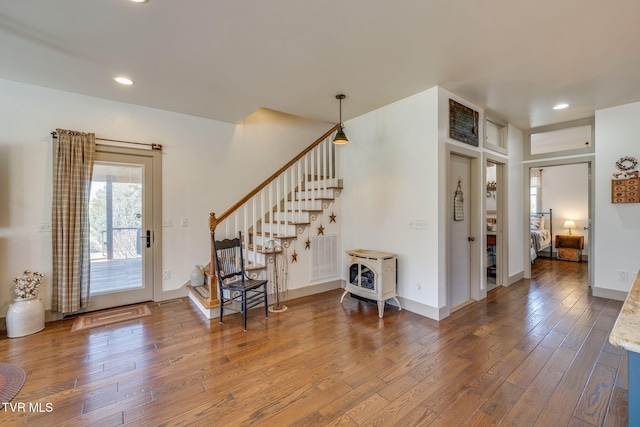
[184, 222]
[419, 224]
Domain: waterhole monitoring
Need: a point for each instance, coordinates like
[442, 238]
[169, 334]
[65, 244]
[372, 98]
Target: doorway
[461, 238]
[492, 226]
[124, 240]
[564, 187]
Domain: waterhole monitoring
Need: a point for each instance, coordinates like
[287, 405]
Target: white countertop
[626, 331]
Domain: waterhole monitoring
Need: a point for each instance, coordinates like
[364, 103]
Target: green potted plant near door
[25, 314]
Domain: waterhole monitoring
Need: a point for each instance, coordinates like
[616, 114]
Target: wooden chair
[233, 282]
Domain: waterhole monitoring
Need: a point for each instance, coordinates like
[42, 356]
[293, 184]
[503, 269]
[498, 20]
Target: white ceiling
[223, 59]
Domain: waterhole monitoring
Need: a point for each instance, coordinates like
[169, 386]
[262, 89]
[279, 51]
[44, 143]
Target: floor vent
[324, 257]
[169, 301]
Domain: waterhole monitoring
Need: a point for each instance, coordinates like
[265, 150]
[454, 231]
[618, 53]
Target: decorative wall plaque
[463, 123]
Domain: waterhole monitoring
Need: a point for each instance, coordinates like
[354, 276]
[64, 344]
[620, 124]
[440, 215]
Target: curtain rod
[158, 147]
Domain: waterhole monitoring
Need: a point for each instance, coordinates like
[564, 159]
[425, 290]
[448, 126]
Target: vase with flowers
[25, 315]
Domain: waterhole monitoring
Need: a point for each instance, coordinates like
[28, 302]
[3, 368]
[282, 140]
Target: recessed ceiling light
[140, 1]
[123, 80]
[560, 106]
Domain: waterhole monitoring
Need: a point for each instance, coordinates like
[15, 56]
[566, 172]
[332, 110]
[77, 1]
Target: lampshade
[569, 224]
[340, 138]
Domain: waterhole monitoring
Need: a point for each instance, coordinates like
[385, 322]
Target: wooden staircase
[279, 209]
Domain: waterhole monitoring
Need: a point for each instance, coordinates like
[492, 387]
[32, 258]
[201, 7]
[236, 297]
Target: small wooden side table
[570, 247]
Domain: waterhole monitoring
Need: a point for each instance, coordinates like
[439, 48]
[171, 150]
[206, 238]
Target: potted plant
[25, 314]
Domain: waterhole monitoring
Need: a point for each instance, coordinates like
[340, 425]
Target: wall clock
[463, 123]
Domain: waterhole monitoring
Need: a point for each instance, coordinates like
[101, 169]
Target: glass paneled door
[120, 215]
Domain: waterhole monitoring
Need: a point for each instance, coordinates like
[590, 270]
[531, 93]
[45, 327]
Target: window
[495, 135]
[535, 190]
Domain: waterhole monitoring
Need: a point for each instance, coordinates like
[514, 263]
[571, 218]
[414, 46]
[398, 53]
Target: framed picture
[463, 123]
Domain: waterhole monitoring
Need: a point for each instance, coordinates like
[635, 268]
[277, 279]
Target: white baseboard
[423, 309]
[173, 294]
[609, 293]
[515, 278]
[209, 313]
[314, 289]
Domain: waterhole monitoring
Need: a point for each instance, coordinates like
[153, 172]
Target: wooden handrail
[213, 221]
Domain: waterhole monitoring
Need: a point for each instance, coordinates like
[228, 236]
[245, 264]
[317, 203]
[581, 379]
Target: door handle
[148, 238]
[471, 239]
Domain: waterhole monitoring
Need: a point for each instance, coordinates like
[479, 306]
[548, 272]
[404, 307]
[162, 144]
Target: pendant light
[340, 138]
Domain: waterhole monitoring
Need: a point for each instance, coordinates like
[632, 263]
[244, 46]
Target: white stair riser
[291, 216]
[321, 183]
[308, 194]
[261, 240]
[280, 229]
[296, 205]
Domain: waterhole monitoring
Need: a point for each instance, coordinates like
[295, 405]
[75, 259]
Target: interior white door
[121, 222]
[460, 233]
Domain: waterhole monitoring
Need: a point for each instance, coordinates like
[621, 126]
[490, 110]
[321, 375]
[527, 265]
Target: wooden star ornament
[294, 256]
[307, 244]
[332, 217]
[321, 230]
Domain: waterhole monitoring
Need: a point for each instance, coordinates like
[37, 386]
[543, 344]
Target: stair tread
[311, 199]
[301, 210]
[283, 223]
[260, 250]
[202, 294]
[268, 233]
[332, 187]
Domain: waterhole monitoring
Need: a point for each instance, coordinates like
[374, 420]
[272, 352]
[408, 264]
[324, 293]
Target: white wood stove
[372, 275]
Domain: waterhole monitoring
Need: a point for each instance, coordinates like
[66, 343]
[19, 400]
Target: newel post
[213, 278]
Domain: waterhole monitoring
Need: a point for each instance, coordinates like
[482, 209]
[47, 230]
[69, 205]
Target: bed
[541, 234]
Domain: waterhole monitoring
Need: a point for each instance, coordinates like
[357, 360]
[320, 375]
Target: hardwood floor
[533, 354]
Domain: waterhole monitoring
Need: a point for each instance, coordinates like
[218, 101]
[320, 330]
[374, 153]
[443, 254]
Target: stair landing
[200, 297]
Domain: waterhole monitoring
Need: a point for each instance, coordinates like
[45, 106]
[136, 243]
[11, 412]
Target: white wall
[617, 226]
[394, 171]
[514, 204]
[390, 171]
[200, 163]
[565, 189]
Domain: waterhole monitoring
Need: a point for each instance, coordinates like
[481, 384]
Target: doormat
[11, 381]
[109, 317]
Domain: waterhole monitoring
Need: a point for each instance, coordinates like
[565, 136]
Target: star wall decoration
[307, 244]
[332, 217]
[294, 256]
[321, 230]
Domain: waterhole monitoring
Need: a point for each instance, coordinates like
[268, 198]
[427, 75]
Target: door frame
[475, 267]
[537, 164]
[502, 216]
[155, 186]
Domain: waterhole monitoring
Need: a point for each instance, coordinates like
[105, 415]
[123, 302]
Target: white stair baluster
[270, 204]
[293, 188]
[319, 172]
[309, 194]
[278, 198]
[323, 146]
[245, 227]
[285, 184]
[306, 182]
[263, 211]
[254, 226]
[293, 196]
